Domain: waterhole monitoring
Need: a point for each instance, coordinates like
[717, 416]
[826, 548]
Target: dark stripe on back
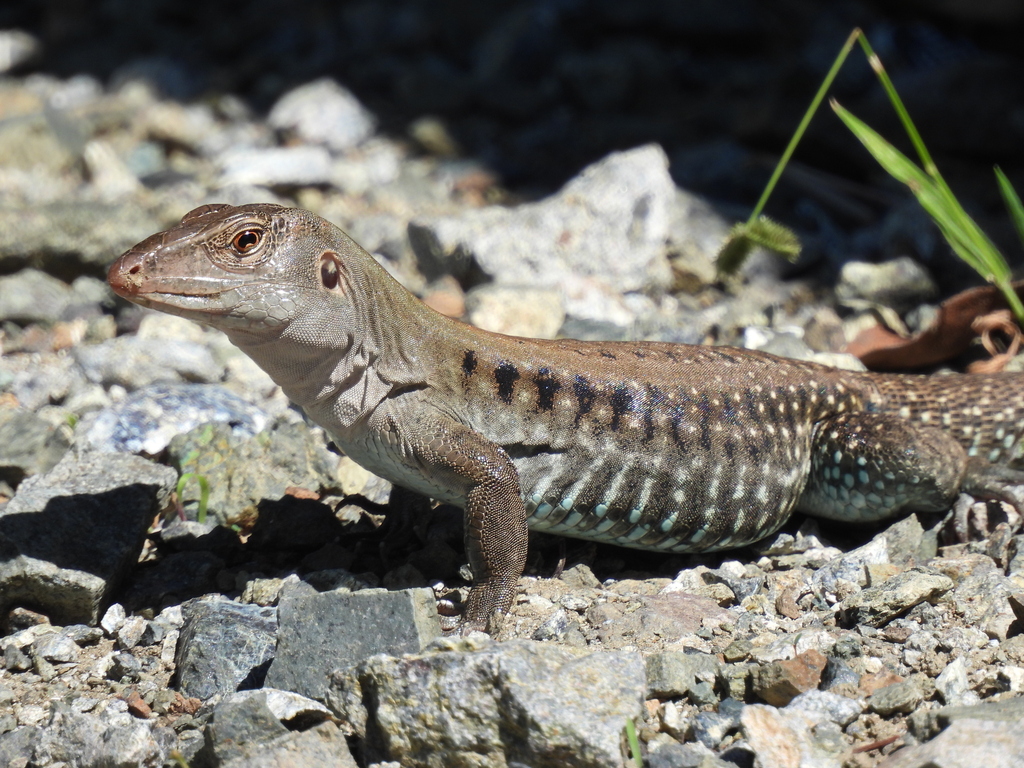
[547, 387]
[620, 402]
[585, 395]
[469, 362]
[506, 375]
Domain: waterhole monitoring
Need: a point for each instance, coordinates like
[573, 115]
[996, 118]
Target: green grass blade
[634, 743]
[204, 492]
[1013, 204]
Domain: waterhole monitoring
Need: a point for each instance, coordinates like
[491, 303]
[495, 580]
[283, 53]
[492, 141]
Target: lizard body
[656, 446]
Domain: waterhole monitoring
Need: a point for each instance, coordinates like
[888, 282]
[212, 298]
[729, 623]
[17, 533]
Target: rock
[535, 313]
[901, 697]
[877, 606]
[293, 524]
[926, 723]
[784, 738]
[325, 631]
[132, 363]
[952, 684]
[29, 445]
[899, 283]
[711, 728]
[965, 744]
[72, 236]
[56, 647]
[174, 577]
[324, 744]
[520, 702]
[130, 633]
[113, 619]
[672, 674]
[323, 112]
[223, 647]
[850, 567]
[147, 419]
[114, 740]
[18, 746]
[239, 727]
[684, 756]
[607, 225]
[276, 166]
[828, 706]
[31, 296]
[16, 48]
[242, 470]
[124, 668]
[780, 681]
[69, 537]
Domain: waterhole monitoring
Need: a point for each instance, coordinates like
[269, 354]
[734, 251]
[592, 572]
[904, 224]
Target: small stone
[901, 697]
[113, 619]
[130, 632]
[952, 684]
[56, 647]
[779, 682]
[323, 112]
[16, 660]
[876, 606]
[124, 668]
[899, 283]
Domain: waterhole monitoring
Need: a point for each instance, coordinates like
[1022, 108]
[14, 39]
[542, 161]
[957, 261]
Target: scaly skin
[655, 446]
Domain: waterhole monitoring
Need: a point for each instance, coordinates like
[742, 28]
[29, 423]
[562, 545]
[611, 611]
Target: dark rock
[113, 740]
[325, 631]
[69, 537]
[176, 577]
[223, 647]
[192, 536]
[290, 523]
[125, 668]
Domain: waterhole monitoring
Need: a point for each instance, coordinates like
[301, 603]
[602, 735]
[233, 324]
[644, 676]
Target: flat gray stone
[490, 704]
[69, 538]
[672, 674]
[324, 744]
[966, 744]
[223, 646]
[322, 632]
[876, 606]
[132, 362]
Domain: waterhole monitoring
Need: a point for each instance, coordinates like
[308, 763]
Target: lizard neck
[339, 359]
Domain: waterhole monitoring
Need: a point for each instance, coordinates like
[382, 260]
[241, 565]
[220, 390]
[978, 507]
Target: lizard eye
[329, 272]
[246, 240]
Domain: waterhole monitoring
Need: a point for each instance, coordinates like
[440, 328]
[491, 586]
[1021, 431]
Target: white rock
[323, 112]
[112, 619]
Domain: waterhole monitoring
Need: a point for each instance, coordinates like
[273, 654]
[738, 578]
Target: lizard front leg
[496, 535]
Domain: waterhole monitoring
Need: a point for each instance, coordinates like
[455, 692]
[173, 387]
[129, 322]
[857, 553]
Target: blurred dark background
[536, 89]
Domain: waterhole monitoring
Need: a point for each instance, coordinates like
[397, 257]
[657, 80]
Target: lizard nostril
[134, 270]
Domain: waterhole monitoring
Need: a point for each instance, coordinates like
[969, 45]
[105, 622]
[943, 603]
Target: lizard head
[253, 268]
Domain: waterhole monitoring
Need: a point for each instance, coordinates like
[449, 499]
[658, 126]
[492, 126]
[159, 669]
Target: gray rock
[901, 697]
[899, 283]
[112, 740]
[925, 724]
[877, 606]
[54, 236]
[132, 363]
[952, 684]
[605, 229]
[56, 647]
[518, 702]
[323, 112]
[276, 166]
[850, 567]
[685, 756]
[788, 737]
[828, 706]
[965, 744]
[324, 744]
[325, 631]
[177, 576]
[31, 296]
[69, 537]
[672, 674]
[147, 419]
[28, 445]
[18, 746]
[239, 727]
[124, 668]
[243, 469]
[223, 647]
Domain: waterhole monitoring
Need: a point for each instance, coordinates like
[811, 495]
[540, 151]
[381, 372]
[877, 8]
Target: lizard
[651, 445]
